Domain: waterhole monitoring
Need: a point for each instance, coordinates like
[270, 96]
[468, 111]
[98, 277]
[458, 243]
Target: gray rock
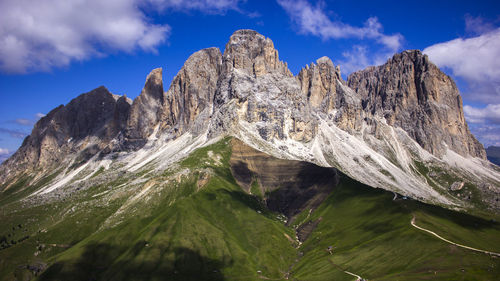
[412, 93]
[146, 110]
[83, 127]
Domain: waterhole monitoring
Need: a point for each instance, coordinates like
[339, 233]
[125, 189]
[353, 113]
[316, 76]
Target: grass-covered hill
[195, 222]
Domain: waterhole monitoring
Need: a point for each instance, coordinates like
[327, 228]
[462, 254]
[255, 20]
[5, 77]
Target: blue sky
[53, 50]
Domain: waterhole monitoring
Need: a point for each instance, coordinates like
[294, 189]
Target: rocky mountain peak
[145, 111]
[83, 127]
[319, 83]
[192, 91]
[410, 92]
[154, 84]
[249, 51]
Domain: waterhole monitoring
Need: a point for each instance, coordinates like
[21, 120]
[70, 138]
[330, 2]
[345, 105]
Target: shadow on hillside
[462, 219]
[105, 262]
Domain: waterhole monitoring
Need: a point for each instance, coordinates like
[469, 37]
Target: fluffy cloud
[39, 115]
[4, 154]
[37, 35]
[206, 6]
[475, 60]
[313, 20]
[470, 58]
[23, 122]
[13, 133]
[488, 135]
[489, 114]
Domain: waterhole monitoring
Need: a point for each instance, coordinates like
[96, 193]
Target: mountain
[493, 153]
[241, 170]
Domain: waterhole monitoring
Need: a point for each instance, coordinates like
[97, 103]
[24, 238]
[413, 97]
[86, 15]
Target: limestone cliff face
[412, 93]
[192, 92]
[145, 112]
[327, 92]
[319, 82]
[83, 127]
[251, 52]
[262, 90]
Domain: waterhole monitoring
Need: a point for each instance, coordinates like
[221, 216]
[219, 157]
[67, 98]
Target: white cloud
[359, 57]
[39, 115]
[313, 20]
[475, 60]
[4, 154]
[38, 35]
[23, 122]
[488, 135]
[206, 6]
[477, 25]
[489, 114]
[13, 133]
[472, 58]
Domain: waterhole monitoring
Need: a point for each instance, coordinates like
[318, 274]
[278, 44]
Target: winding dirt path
[355, 275]
[345, 271]
[451, 242]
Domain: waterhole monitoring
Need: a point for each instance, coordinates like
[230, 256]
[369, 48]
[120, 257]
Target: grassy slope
[372, 237]
[217, 233]
[213, 234]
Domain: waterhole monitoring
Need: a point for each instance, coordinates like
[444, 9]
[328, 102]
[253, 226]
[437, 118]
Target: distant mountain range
[493, 153]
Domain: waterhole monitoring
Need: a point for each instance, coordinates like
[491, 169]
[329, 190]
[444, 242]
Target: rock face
[252, 73]
[84, 126]
[145, 112]
[253, 54]
[319, 82]
[192, 92]
[327, 92]
[412, 93]
[288, 186]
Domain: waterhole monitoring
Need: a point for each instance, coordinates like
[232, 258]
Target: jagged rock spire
[192, 92]
[249, 51]
[146, 110]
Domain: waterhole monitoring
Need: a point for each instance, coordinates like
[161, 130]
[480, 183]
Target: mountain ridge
[315, 116]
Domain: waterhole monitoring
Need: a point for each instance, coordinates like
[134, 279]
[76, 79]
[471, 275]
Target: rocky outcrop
[412, 93]
[83, 127]
[192, 92]
[146, 111]
[252, 73]
[319, 82]
[327, 92]
[252, 53]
